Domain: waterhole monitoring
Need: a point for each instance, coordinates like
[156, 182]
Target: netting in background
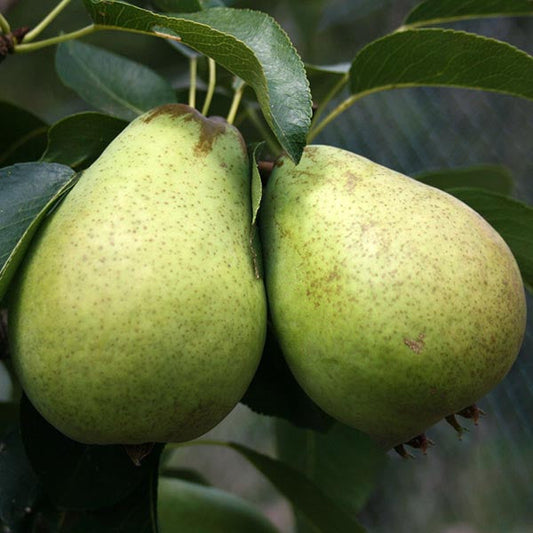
[484, 483]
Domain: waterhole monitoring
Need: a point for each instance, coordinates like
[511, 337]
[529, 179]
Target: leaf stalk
[31, 35]
[82, 32]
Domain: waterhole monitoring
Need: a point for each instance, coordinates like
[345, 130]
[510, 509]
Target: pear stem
[193, 67]
[5, 28]
[31, 47]
[211, 86]
[46, 21]
[237, 96]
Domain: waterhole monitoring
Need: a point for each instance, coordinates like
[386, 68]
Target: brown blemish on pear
[210, 128]
[416, 345]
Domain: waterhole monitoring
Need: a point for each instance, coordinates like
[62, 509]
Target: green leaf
[111, 83]
[185, 507]
[256, 193]
[188, 6]
[344, 463]
[19, 486]
[490, 177]
[178, 6]
[250, 44]
[275, 392]
[257, 185]
[437, 57]
[78, 140]
[322, 512]
[24, 139]
[80, 476]
[439, 11]
[28, 191]
[512, 219]
[324, 78]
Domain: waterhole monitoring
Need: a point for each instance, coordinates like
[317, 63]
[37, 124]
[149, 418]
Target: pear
[395, 304]
[137, 315]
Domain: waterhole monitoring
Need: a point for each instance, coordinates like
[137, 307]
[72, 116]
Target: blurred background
[480, 484]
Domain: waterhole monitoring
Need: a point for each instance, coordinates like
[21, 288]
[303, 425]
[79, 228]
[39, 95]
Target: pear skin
[137, 315]
[395, 304]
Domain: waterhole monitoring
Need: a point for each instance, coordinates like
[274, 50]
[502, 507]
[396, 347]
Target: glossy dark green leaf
[490, 177]
[186, 507]
[78, 140]
[322, 512]
[447, 58]
[80, 476]
[28, 190]
[109, 82]
[274, 391]
[344, 463]
[512, 219]
[24, 136]
[439, 11]
[19, 486]
[250, 44]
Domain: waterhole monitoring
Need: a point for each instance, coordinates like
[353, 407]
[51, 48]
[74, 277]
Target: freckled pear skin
[137, 316]
[395, 304]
